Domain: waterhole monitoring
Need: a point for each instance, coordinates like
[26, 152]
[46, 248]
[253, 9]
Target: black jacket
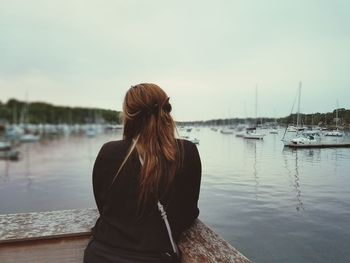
[119, 224]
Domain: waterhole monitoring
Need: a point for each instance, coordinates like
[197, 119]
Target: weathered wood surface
[201, 244]
[54, 250]
[61, 236]
[29, 226]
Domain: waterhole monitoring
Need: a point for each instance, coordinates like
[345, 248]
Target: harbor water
[273, 204]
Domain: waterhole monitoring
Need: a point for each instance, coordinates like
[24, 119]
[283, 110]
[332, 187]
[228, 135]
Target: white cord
[165, 218]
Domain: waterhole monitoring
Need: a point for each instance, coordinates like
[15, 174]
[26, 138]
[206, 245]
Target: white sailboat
[336, 132]
[274, 129]
[28, 135]
[227, 129]
[241, 133]
[302, 138]
[306, 138]
[4, 146]
[251, 133]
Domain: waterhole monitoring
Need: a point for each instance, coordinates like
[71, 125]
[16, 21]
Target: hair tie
[166, 105]
[153, 109]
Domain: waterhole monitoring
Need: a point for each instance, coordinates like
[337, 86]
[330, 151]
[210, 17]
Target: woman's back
[130, 227]
[121, 224]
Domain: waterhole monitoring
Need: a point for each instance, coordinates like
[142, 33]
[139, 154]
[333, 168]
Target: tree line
[15, 111]
[321, 119]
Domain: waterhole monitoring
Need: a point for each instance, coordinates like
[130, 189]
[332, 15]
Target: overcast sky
[207, 55]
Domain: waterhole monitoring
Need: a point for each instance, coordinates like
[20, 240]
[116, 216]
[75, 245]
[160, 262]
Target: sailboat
[274, 128]
[335, 133]
[227, 129]
[4, 146]
[302, 138]
[28, 135]
[251, 132]
[274, 131]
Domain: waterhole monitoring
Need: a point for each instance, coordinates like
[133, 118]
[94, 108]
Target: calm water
[271, 203]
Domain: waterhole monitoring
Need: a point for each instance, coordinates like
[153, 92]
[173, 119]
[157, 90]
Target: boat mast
[245, 113]
[298, 113]
[336, 115]
[14, 113]
[256, 105]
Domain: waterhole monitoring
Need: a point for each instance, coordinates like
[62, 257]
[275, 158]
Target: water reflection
[27, 175]
[294, 175]
[5, 178]
[251, 145]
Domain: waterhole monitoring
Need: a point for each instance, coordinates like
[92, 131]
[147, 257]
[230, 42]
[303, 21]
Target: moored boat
[226, 131]
[335, 133]
[251, 133]
[274, 131]
[304, 138]
[29, 137]
[4, 146]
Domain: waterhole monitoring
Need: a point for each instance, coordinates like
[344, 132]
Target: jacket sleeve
[98, 179]
[191, 187]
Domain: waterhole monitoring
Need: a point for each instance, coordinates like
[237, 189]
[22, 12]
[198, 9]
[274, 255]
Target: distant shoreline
[16, 111]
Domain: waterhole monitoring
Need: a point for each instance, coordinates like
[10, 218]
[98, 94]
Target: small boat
[251, 131]
[226, 131]
[29, 137]
[274, 131]
[292, 129]
[241, 134]
[14, 132]
[90, 132]
[4, 146]
[305, 138]
[335, 133]
[252, 134]
[301, 137]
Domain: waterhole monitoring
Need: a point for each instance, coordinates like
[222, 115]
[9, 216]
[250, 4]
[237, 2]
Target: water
[273, 204]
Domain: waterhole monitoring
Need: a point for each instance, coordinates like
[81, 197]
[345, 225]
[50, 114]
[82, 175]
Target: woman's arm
[192, 187]
[97, 178]
[188, 190]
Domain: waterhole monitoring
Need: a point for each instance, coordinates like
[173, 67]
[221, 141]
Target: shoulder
[188, 147]
[114, 147]
[186, 143]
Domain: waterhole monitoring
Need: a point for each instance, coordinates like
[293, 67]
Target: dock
[61, 236]
[322, 145]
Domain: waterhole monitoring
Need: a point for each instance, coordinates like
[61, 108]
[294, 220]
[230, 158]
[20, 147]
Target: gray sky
[207, 55]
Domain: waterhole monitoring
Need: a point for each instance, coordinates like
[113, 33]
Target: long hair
[147, 121]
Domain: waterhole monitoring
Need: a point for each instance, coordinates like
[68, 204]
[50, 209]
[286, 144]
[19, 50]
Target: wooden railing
[61, 236]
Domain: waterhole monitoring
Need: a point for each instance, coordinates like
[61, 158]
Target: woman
[130, 176]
